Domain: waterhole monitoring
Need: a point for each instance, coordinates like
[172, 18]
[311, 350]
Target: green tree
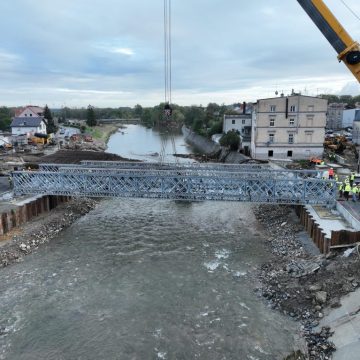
[50, 125]
[138, 111]
[146, 117]
[216, 128]
[90, 116]
[330, 98]
[194, 114]
[230, 140]
[5, 118]
[347, 99]
[178, 116]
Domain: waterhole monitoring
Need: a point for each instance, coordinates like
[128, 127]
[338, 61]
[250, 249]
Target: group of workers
[348, 187]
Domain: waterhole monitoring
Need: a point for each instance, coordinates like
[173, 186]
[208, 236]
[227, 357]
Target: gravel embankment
[30, 236]
[299, 284]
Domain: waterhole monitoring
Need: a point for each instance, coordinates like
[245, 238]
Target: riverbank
[100, 135]
[301, 283]
[212, 150]
[25, 239]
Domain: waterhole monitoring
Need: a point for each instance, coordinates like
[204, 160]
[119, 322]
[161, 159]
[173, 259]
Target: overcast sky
[110, 52]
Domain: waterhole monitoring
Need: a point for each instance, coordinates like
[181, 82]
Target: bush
[230, 140]
[216, 128]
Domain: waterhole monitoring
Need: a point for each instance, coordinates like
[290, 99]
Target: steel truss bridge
[192, 182]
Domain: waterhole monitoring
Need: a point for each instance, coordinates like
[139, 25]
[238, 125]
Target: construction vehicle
[315, 160]
[38, 138]
[336, 143]
[347, 49]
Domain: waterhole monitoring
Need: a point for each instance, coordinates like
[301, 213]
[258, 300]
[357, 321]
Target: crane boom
[347, 49]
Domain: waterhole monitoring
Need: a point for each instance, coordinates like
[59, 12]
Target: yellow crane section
[347, 49]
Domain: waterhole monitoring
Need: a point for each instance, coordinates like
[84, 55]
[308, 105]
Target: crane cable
[167, 50]
[350, 9]
[167, 78]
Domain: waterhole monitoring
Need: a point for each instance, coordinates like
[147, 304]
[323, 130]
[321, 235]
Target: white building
[242, 124]
[288, 127]
[30, 111]
[28, 126]
[349, 117]
[356, 128]
[334, 117]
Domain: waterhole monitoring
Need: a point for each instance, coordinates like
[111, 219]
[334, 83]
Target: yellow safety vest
[352, 176]
[347, 187]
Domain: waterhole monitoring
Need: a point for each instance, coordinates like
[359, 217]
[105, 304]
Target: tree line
[204, 120]
[349, 100]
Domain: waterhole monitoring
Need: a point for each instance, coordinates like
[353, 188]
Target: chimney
[244, 107]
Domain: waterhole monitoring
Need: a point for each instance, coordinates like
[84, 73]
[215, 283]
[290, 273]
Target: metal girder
[186, 168]
[175, 184]
[152, 166]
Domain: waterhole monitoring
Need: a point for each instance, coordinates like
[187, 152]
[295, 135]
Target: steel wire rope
[163, 140]
[167, 81]
[350, 9]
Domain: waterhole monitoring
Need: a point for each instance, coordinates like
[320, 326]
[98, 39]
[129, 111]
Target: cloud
[123, 51]
[111, 53]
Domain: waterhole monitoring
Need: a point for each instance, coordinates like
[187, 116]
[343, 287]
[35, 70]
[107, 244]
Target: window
[309, 121]
[270, 153]
[292, 108]
[243, 121]
[289, 153]
[271, 138]
[291, 138]
[233, 122]
[272, 108]
[30, 114]
[311, 108]
[308, 137]
[272, 121]
[291, 121]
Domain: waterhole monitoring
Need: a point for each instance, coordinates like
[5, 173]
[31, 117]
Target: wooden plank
[342, 246]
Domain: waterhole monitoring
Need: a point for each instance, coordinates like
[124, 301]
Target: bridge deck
[182, 182]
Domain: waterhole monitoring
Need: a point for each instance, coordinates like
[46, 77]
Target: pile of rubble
[86, 146]
[299, 284]
[43, 229]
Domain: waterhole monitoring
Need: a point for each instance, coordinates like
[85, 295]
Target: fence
[339, 239]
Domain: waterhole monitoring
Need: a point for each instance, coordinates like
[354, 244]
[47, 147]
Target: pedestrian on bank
[347, 190]
[10, 182]
[331, 173]
[341, 188]
[352, 178]
[354, 190]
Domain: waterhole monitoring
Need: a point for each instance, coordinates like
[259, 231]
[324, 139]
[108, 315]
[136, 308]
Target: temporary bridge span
[193, 182]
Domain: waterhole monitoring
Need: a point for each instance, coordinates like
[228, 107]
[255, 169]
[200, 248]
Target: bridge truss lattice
[196, 182]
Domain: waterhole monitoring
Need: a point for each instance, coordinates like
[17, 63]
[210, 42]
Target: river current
[144, 279]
